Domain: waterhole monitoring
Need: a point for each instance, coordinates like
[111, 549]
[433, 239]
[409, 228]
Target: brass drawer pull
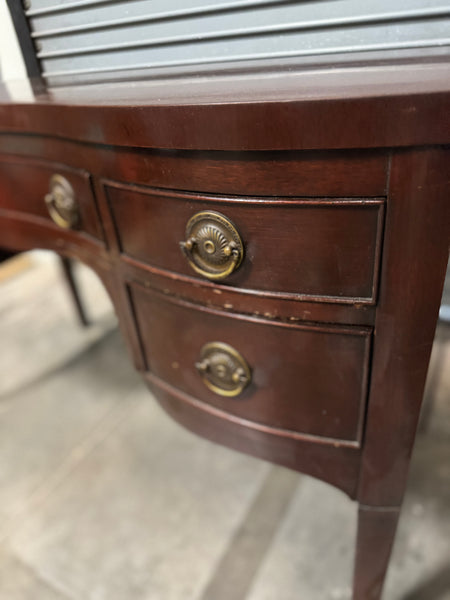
[61, 203]
[223, 369]
[213, 245]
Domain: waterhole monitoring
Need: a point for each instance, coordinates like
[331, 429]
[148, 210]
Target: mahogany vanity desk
[274, 243]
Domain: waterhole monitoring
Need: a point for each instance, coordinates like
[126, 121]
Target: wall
[11, 62]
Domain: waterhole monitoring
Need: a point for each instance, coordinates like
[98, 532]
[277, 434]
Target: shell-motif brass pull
[213, 245]
[223, 369]
[61, 203]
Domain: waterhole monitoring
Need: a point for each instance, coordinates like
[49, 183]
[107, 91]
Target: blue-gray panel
[79, 39]
[90, 13]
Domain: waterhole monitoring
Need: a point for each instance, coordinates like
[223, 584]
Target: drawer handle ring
[61, 203]
[223, 369]
[213, 246]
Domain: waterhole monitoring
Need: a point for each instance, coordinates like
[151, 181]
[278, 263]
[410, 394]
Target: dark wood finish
[376, 532]
[21, 231]
[258, 145]
[26, 182]
[67, 268]
[327, 250]
[336, 464]
[308, 379]
[260, 174]
[365, 106]
[237, 300]
[338, 174]
[414, 265]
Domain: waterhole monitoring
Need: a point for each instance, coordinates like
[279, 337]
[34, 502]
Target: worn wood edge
[233, 299]
[150, 269]
[352, 330]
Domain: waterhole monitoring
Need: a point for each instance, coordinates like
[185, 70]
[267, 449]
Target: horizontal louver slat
[266, 21]
[77, 39]
[89, 14]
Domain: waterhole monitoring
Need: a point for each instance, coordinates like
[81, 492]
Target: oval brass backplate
[223, 369]
[213, 245]
[61, 203]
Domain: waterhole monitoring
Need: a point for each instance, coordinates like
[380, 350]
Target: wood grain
[309, 379]
[25, 182]
[321, 249]
[329, 303]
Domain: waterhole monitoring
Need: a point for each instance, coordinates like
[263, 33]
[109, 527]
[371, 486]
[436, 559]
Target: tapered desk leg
[376, 532]
[67, 267]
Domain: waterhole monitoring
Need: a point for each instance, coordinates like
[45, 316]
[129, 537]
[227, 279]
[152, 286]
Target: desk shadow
[436, 587]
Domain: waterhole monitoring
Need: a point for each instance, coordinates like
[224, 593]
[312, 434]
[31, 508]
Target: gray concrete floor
[102, 496]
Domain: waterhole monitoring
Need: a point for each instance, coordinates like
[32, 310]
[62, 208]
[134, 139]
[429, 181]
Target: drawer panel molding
[319, 249]
[303, 379]
[45, 190]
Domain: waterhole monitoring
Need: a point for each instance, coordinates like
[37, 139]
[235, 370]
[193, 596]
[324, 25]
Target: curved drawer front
[303, 378]
[25, 185]
[324, 249]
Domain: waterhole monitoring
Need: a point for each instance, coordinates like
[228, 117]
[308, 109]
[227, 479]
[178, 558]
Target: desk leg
[67, 267]
[376, 533]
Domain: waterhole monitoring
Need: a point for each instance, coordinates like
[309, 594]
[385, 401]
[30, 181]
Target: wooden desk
[295, 321]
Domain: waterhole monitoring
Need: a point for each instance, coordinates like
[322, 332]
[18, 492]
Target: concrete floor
[102, 496]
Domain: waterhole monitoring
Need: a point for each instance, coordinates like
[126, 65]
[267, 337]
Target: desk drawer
[307, 378]
[324, 249]
[24, 186]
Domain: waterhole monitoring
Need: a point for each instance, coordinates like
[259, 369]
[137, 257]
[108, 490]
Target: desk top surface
[356, 106]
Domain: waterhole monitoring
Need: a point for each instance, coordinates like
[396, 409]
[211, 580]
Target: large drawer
[24, 185]
[318, 248]
[307, 378]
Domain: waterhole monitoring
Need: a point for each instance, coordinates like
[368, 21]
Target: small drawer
[51, 191]
[321, 249]
[309, 379]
